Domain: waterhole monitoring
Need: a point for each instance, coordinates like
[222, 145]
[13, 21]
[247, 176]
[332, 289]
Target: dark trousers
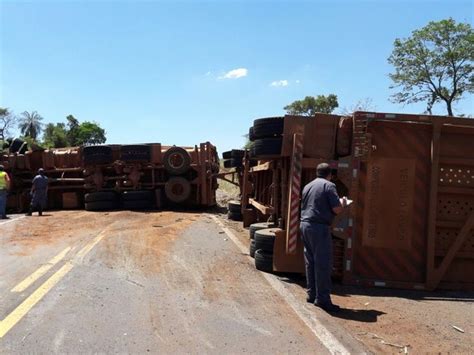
[317, 243]
[36, 206]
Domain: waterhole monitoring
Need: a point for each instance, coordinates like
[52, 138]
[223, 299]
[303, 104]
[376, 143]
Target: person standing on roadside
[39, 193]
[4, 187]
[320, 204]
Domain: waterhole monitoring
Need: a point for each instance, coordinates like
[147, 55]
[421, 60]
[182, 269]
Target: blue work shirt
[319, 198]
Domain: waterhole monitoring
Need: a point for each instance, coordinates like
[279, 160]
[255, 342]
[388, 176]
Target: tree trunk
[450, 110]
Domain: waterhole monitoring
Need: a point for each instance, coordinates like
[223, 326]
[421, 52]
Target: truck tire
[234, 216]
[234, 206]
[268, 127]
[137, 205]
[100, 205]
[251, 135]
[258, 226]
[177, 189]
[266, 147]
[252, 248]
[265, 239]
[233, 163]
[137, 195]
[137, 152]
[234, 153]
[100, 196]
[263, 261]
[176, 160]
[97, 154]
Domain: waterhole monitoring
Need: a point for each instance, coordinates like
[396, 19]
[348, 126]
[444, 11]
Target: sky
[186, 72]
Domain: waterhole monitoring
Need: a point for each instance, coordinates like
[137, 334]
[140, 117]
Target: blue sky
[188, 72]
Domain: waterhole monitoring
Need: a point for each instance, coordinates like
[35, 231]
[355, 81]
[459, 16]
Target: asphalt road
[129, 282]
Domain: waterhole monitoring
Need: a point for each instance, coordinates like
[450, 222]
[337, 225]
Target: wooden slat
[450, 224]
[456, 161]
[266, 210]
[435, 147]
[452, 252]
[262, 167]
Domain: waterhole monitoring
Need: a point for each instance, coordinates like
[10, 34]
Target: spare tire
[234, 206]
[137, 195]
[139, 152]
[263, 261]
[266, 147]
[177, 189]
[265, 239]
[234, 153]
[233, 163]
[100, 196]
[258, 226]
[252, 248]
[267, 127]
[97, 154]
[176, 160]
[100, 205]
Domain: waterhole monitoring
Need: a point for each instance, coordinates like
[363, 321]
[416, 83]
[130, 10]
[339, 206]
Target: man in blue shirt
[39, 193]
[320, 204]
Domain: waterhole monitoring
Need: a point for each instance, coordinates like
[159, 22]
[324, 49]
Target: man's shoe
[310, 299]
[5, 217]
[330, 308]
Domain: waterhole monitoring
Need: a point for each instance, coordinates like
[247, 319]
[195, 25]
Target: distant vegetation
[435, 64]
[53, 135]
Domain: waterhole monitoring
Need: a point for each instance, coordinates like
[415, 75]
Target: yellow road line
[19, 312]
[40, 272]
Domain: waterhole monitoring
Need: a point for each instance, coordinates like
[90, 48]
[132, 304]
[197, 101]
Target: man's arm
[7, 178]
[334, 201]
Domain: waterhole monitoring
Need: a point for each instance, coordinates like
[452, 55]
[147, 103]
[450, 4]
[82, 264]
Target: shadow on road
[358, 315]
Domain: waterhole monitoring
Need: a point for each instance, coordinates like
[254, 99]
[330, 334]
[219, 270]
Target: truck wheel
[258, 226]
[251, 135]
[177, 189]
[234, 153]
[265, 239]
[252, 248]
[137, 195]
[100, 196]
[263, 261]
[234, 206]
[100, 205]
[234, 216]
[97, 154]
[266, 147]
[268, 127]
[176, 160]
[233, 163]
[137, 152]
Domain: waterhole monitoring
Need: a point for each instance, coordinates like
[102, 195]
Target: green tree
[311, 105]
[30, 124]
[7, 121]
[90, 133]
[434, 64]
[73, 130]
[55, 135]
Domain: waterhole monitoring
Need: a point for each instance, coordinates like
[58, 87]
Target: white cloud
[279, 83]
[235, 74]
[297, 81]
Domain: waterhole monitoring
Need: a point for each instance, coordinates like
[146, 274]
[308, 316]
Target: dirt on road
[390, 321]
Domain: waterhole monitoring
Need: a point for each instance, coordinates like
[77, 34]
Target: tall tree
[310, 105]
[366, 104]
[55, 135]
[7, 121]
[90, 133]
[30, 124]
[434, 64]
[73, 130]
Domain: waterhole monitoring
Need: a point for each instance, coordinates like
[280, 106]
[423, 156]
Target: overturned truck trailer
[412, 181]
[104, 177]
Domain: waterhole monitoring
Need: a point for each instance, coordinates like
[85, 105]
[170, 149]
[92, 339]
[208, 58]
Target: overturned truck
[412, 181]
[106, 177]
